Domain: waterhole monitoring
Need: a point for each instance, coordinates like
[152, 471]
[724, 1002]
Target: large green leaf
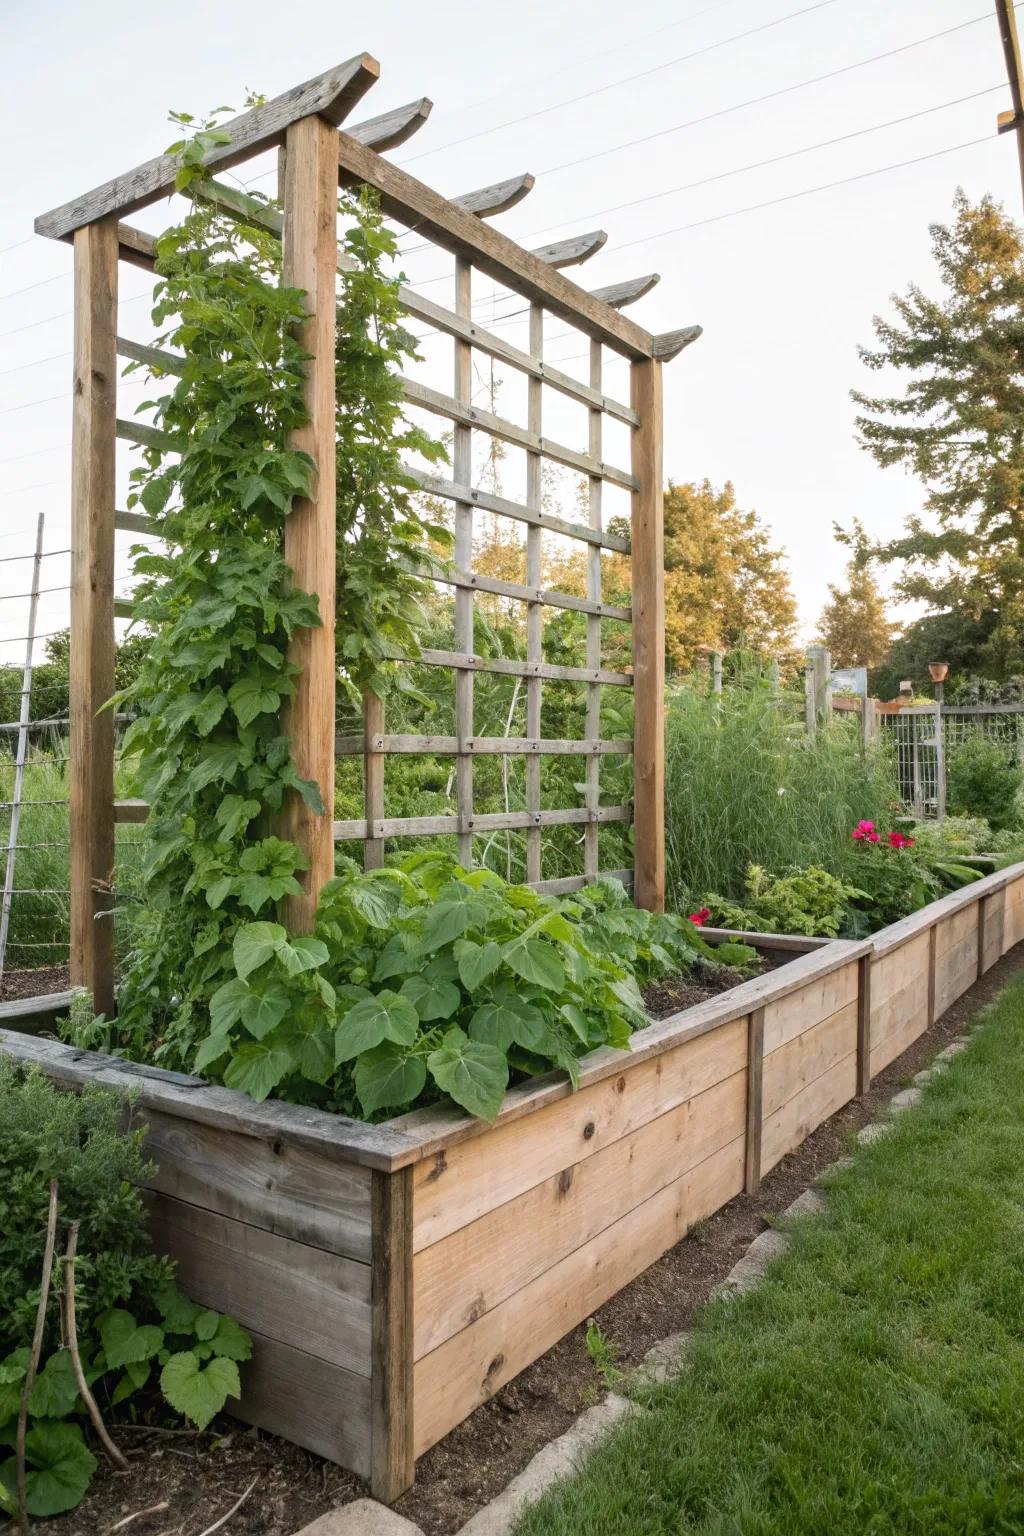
[432, 999]
[256, 1068]
[536, 962]
[473, 1073]
[388, 1078]
[199, 1391]
[384, 1016]
[303, 953]
[59, 1469]
[263, 1011]
[231, 1341]
[442, 924]
[476, 962]
[56, 1390]
[255, 944]
[124, 1340]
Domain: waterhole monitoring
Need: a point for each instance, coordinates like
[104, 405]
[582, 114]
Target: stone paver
[905, 1100]
[363, 1518]
[665, 1360]
[839, 1166]
[953, 1049]
[750, 1269]
[558, 1460]
[873, 1132]
[811, 1203]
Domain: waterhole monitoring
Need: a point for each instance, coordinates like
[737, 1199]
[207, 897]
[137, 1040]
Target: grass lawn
[875, 1382]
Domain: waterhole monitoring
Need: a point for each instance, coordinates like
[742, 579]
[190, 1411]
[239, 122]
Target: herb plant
[134, 1327]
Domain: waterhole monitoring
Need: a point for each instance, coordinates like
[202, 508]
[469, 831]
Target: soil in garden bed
[673, 993]
[38, 983]
[200, 1476]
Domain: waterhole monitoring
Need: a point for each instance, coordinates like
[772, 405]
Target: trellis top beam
[419, 207]
[331, 95]
[390, 129]
[571, 252]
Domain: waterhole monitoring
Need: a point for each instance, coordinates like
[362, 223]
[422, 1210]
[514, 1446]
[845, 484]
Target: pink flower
[864, 832]
[898, 840]
[701, 917]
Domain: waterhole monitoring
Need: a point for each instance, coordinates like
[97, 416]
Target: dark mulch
[200, 1477]
[674, 993]
[48, 978]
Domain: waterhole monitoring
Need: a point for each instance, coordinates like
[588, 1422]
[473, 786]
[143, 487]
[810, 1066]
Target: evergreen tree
[959, 427]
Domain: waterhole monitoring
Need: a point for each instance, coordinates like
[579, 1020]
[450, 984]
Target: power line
[54, 357]
[754, 101]
[64, 313]
[756, 165]
[43, 282]
[642, 74]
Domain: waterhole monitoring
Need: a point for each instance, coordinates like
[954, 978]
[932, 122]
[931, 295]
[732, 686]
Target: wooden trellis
[317, 156]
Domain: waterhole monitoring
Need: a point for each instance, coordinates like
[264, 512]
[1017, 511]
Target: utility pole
[1012, 122]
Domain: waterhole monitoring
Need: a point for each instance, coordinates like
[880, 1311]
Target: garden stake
[71, 1331]
[37, 1349]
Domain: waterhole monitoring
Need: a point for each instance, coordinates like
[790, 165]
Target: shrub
[981, 780]
[131, 1320]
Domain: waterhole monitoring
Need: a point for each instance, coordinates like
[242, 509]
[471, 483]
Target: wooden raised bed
[395, 1276]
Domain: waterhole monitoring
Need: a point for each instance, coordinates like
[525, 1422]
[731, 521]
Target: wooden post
[392, 1465]
[91, 812]
[863, 1024]
[932, 946]
[715, 667]
[817, 687]
[592, 730]
[534, 611]
[373, 778]
[462, 471]
[648, 558]
[1012, 121]
[755, 1101]
[868, 722]
[310, 257]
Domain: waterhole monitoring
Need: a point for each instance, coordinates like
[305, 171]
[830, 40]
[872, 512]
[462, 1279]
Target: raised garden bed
[396, 1276]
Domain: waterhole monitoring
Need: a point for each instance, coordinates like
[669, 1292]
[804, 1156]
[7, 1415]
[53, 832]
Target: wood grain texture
[864, 984]
[91, 684]
[309, 245]
[389, 129]
[573, 250]
[477, 1267]
[497, 197]
[307, 1400]
[284, 1189]
[418, 206]
[472, 1365]
[670, 343]
[462, 472]
[463, 1183]
[794, 1121]
[754, 1102]
[618, 295]
[789, 1070]
[648, 567]
[594, 640]
[331, 96]
[305, 1297]
[391, 1390]
[793, 1016]
[449, 490]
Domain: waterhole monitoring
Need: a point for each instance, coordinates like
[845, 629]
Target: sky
[695, 133]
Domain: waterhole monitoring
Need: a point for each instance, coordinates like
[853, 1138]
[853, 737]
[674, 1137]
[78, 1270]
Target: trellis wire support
[22, 748]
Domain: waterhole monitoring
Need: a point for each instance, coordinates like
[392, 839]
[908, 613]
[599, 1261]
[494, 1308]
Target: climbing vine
[219, 601]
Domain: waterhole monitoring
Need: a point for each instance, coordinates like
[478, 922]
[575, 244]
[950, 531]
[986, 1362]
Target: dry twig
[71, 1330]
[36, 1351]
[154, 1509]
[217, 1524]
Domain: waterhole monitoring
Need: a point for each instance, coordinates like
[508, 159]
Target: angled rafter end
[390, 129]
[331, 95]
[498, 197]
[569, 253]
[618, 295]
[670, 343]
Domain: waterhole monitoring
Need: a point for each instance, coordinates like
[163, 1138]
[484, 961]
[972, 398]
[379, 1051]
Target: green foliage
[221, 607]
[131, 1318]
[959, 427]
[983, 780]
[424, 980]
[802, 901]
[893, 882]
[744, 786]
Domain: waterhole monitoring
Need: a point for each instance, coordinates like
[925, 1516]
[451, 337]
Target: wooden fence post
[864, 1024]
[392, 1464]
[91, 683]
[648, 559]
[755, 1102]
[310, 259]
[817, 686]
